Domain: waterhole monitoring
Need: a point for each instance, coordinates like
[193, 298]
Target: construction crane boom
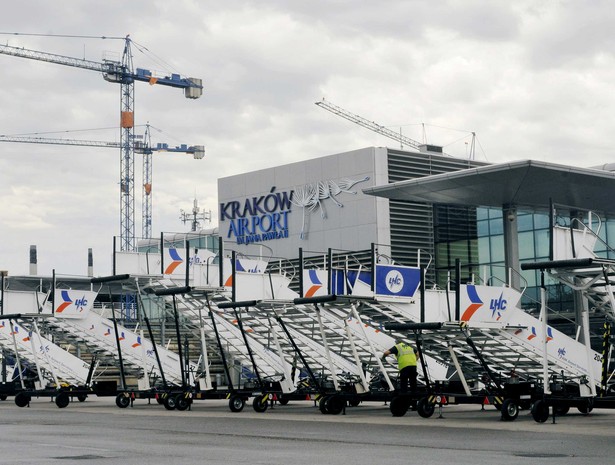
[121, 73]
[369, 125]
[146, 148]
[112, 71]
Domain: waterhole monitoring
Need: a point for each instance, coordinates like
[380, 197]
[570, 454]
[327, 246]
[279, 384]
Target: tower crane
[146, 148]
[372, 126]
[369, 124]
[123, 73]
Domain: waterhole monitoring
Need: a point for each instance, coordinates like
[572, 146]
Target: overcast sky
[533, 79]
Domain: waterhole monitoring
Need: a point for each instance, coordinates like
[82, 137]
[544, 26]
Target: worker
[406, 364]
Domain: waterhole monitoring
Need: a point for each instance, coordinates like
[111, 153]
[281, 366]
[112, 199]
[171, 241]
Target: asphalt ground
[98, 432]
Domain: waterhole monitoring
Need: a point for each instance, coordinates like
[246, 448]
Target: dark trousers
[407, 376]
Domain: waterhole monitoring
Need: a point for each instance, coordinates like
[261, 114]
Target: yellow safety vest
[405, 356]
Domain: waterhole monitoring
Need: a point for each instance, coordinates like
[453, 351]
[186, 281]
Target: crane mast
[127, 161]
[124, 74]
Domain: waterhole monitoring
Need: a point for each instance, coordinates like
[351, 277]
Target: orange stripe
[171, 268]
[62, 307]
[312, 290]
[470, 311]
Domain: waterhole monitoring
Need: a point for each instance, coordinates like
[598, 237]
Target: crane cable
[59, 35]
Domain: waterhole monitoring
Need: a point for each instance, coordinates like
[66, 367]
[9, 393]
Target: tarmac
[97, 431]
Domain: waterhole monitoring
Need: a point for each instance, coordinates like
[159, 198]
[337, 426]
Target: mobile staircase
[59, 374]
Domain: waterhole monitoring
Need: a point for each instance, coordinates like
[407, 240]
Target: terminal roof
[524, 183]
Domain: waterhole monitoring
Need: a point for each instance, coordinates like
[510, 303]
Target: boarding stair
[21, 335]
[488, 335]
[88, 326]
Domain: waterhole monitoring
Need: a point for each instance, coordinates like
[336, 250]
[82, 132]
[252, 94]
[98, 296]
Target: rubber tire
[182, 402]
[122, 401]
[283, 400]
[399, 406]
[236, 404]
[424, 408]
[159, 400]
[354, 402]
[62, 400]
[561, 410]
[540, 411]
[510, 410]
[261, 403]
[585, 409]
[3, 397]
[82, 397]
[335, 405]
[170, 403]
[22, 399]
[322, 405]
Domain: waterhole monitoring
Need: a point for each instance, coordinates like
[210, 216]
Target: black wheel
[62, 400]
[122, 401]
[561, 410]
[236, 403]
[354, 402]
[82, 397]
[510, 410]
[540, 411]
[585, 409]
[424, 408]
[283, 400]
[3, 397]
[160, 400]
[322, 405]
[335, 405]
[22, 399]
[170, 402]
[182, 402]
[260, 403]
[399, 406]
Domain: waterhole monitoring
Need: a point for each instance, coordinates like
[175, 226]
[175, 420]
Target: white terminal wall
[363, 219]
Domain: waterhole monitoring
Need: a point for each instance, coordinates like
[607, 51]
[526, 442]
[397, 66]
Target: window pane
[541, 221]
[484, 255]
[526, 245]
[496, 226]
[542, 243]
[482, 213]
[525, 222]
[497, 248]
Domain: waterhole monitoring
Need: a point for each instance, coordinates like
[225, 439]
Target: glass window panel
[495, 213]
[496, 226]
[482, 213]
[525, 222]
[482, 228]
[526, 245]
[498, 274]
[473, 252]
[541, 221]
[497, 248]
[530, 278]
[610, 233]
[541, 239]
[484, 254]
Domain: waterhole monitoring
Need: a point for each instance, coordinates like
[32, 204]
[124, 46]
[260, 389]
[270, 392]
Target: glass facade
[475, 236]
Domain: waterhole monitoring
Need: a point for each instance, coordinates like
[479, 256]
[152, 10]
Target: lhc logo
[394, 281]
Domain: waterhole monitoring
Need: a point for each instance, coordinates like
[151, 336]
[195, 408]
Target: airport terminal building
[319, 204]
[414, 209]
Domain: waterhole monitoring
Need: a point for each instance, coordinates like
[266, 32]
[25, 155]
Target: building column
[511, 245]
